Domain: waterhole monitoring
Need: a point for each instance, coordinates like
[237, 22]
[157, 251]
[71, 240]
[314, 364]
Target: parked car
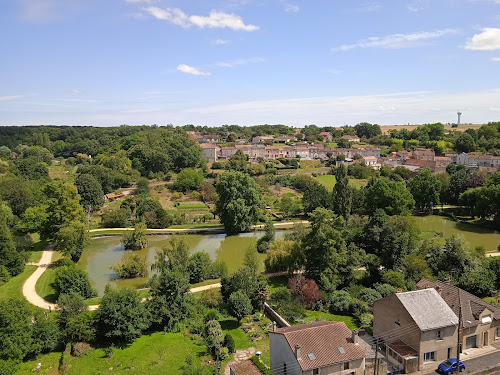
[450, 366]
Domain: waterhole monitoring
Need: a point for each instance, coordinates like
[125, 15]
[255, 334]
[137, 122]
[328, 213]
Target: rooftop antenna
[459, 114]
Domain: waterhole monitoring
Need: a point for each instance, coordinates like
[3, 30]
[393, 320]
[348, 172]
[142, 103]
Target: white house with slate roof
[418, 328]
[318, 348]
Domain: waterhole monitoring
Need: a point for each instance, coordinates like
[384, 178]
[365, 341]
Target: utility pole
[375, 368]
[459, 343]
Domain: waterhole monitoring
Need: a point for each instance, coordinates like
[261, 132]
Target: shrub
[116, 218]
[366, 319]
[265, 371]
[306, 290]
[211, 298]
[131, 266]
[369, 296]
[71, 279]
[136, 239]
[80, 349]
[229, 343]
[340, 302]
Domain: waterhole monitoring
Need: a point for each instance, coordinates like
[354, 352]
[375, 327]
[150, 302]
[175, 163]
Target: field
[387, 128]
[328, 181]
[14, 287]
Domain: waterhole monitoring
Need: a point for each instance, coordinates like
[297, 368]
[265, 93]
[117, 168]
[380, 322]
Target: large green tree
[342, 193]
[121, 315]
[391, 196]
[188, 179]
[325, 248]
[71, 279]
[239, 202]
[10, 258]
[71, 239]
[425, 188]
[90, 191]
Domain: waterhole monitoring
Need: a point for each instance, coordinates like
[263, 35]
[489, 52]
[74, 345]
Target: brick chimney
[447, 281]
[438, 289]
[355, 337]
[297, 352]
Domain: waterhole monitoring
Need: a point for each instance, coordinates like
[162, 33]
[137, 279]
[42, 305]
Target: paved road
[477, 363]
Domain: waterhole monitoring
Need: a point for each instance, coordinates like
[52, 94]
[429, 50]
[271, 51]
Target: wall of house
[430, 343]
[479, 330]
[386, 312]
[281, 353]
[357, 366]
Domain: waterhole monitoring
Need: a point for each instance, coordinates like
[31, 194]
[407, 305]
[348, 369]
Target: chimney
[297, 352]
[438, 289]
[447, 281]
[355, 337]
[274, 326]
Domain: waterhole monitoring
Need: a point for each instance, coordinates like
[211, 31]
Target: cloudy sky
[214, 62]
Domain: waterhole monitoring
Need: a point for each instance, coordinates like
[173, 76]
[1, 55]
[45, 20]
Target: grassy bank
[14, 287]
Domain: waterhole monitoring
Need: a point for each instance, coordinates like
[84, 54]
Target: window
[345, 366]
[439, 335]
[431, 356]
[449, 352]
[316, 371]
[497, 334]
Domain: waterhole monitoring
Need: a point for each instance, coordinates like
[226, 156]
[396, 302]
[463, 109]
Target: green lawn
[206, 282]
[277, 282]
[14, 287]
[328, 181]
[350, 322]
[156, 353]
[44, 285]
[192, 206]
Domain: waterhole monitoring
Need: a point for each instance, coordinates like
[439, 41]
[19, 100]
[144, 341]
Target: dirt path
[496, 254]
[29, 290]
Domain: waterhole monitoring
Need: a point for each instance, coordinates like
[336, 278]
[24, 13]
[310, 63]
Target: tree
[465, 143]
[121, 315]
[90, 191]
[343, 143]
[17, 193]
[137, 239]
[63, 207]
[188, 179]
[315, 196]
[171, 302]
[391, 196]
[268, 237]
[174, 257]
[284, 255]
[116, 218]
[425, 188]
[69, 306]
[71, 279]
[342, 193]
[214, 337]
[199, 267]
[207, 191]
[240, 305]
[131, 266]
[71, 240]
[237, 162]
[143, 187]
[30, 169]
[394, 278]
[306, 290]
[15, 329]
[45, 333]
[367, 130]
[288, 206]
[10, 258]
[80, 328]
[325, 248]
[239, 201]
[152, 213]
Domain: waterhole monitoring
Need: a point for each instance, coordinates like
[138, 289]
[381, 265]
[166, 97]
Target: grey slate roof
[428, 309]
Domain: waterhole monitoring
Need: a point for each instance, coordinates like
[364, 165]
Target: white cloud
[214, 20]
[191, 70]
[47, 10]
[10, 97]
[396, 41]
[139, 1]
[230, 64]
[292, 8]
[221, 42]
[76, 91]
[488, 40]
[496, 59]
[368, 7]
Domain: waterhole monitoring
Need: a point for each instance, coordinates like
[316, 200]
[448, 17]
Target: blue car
[450, 366]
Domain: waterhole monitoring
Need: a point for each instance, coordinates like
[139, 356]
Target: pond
[107, 251]
[475, 235]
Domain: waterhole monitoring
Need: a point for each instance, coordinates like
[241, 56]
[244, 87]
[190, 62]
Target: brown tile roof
[461, 301]
[402, 348]
[245, 368]
[208, 145]
[350, 137]
[325, 133]
[421, 163]
[424, 151]
[323, 339]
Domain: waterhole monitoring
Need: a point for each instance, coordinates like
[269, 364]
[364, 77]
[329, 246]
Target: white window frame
[429, 356]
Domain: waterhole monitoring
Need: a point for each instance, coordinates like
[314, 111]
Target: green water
[108, 251]
[474, 234]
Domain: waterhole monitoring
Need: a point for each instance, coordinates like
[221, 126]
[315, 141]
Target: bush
[188, 179]
[369, 296]
[116, 218]
[265, 371]
[136, 239]
[340, 302]
[229, 343]
[385, 289]
[80, 349]
[211, 298]
[366, 319]
[223, 353]
[131, 266]
[71, 279]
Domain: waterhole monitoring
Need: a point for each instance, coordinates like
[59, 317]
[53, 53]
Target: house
[210, 151]
[244, 368]
[316, 348]
[371, 161]
[327, 136]
[480, 321]
[284, 139]
[423, 154]
[112, 197]
[262, 139]
[207, 138]
[418, 329]
[351, 138]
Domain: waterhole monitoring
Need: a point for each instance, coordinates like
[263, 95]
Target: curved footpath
[32, 297]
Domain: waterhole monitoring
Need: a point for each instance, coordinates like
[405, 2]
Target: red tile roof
[402, 348]
[323, 340]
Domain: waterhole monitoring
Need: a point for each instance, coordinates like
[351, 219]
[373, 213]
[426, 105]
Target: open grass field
[350, 322]
[387, 128]
[328, 181]
[44, 286]
[155, 353]
[14, 287]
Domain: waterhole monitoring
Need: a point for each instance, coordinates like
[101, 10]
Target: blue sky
[214, 62]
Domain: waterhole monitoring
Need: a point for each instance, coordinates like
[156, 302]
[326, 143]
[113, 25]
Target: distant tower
[459, 114]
